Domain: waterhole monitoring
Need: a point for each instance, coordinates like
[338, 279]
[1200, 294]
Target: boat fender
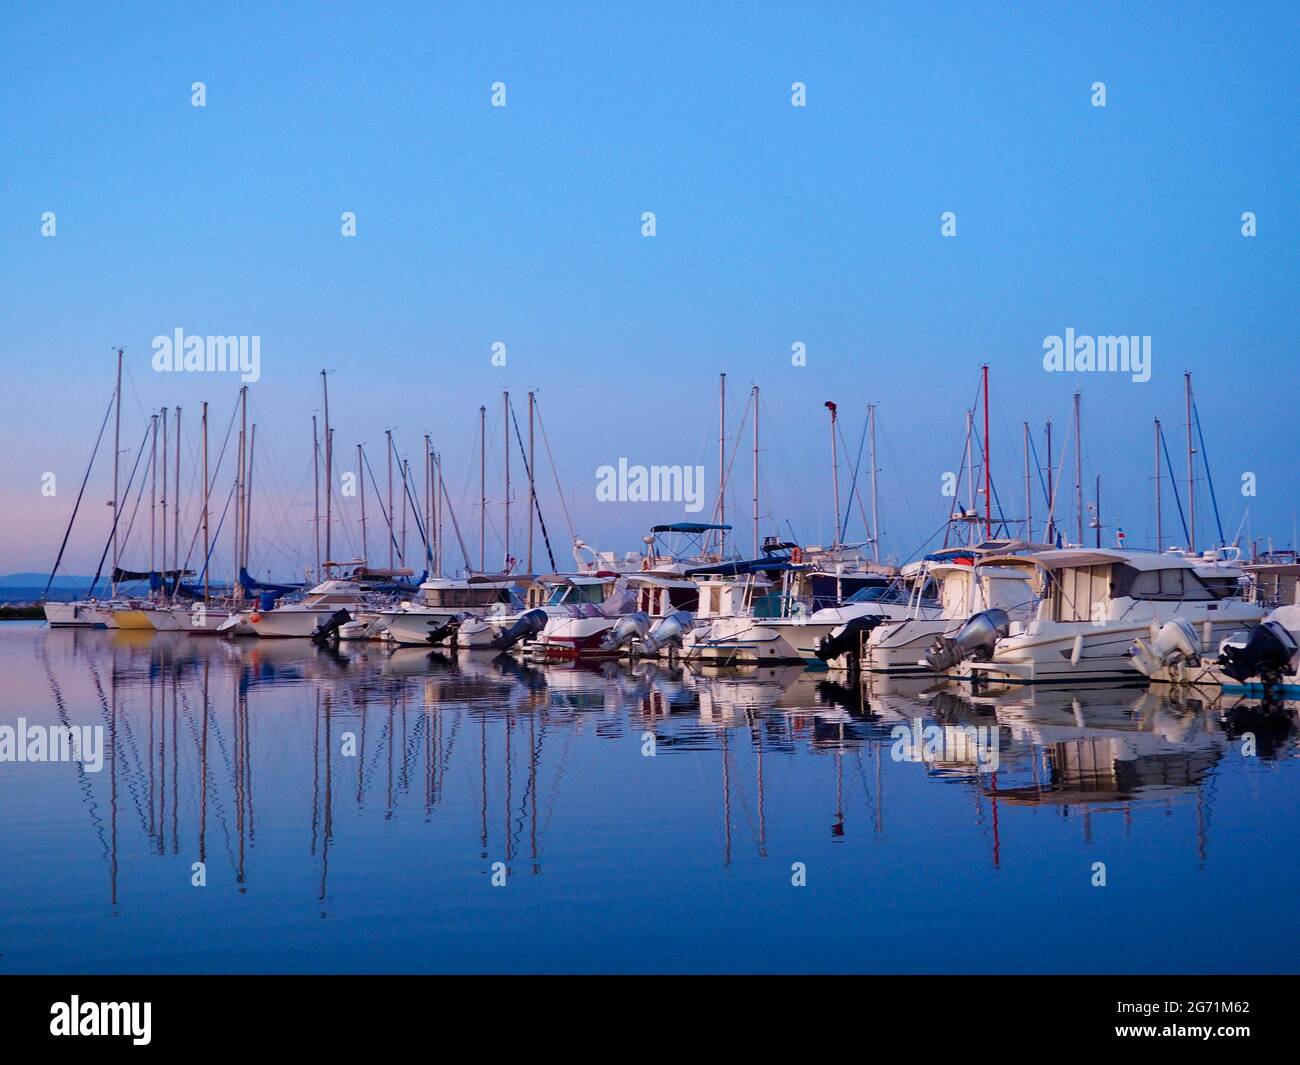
[796, 555]
[1077, 651]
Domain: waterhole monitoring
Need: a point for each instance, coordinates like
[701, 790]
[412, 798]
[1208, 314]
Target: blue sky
[775, 224]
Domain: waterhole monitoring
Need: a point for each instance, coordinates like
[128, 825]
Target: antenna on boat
[835, 474]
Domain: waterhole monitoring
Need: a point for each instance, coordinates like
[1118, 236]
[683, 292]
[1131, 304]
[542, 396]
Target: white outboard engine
[1267, 651]
[668, 632]
[632, 627]
[974, 640]
[1174, 643]
[528, 627]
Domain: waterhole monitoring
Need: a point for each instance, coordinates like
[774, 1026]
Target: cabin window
[1164, 585]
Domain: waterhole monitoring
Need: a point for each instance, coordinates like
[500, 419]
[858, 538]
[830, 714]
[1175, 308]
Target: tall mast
[505, 427]
[406, 491]
[1078, 469]
[722, 464]
[1191, 469]
[1029, 492]
[1160, 546]
[329, 468]
[241, 497]
[117, 444]
[875, 513]
[755, 394]
[482, 488]
[361, 491]
[532, 479]
[315, 479]
[205, 501]
[428, 503]
[988, 477]
[176, 510]
[437, 473]
[835, 476]
[153, 489]
[164, 496]
[388, 433]
[1051, 490]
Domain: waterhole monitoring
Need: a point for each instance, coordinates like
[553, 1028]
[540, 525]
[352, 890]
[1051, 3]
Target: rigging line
[99, 570]
[853, 489]
[378, 498]
[537, 503]
[446, 498]
[744, 418]
[217, 533]
[212, 480]
[1173, 483]
[135, 511]
[537, 409]
[1205, 459]
[77, 505]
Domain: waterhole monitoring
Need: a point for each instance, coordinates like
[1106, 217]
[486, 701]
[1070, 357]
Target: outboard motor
[1176, 641]
[668, 632]
[1265, 651]
[442, 632]
[629, 628]
[848, 638]
[328, 631]
[528, 627]
[975, 639]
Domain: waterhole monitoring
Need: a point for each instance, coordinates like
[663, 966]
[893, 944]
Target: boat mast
[1191, 470]
[117, 443]
[1159, 522]
[532, 479]
[988, 476]
[835, 476]
[875, 513]
[241, 497]
[1078, 468]
[755, 396]
[329, 468]
[1097, 513]
[176, 511]
[1029, 492]
[482, 488]
[971, 512]
[722, 464]
[437, 472]
[406, 493]
[388, 433]
[1051, 491]
[315, 478]
[505, 428]
[428, 503]
[164, 497]
[153, 490]
[361, 491]
[205, 501]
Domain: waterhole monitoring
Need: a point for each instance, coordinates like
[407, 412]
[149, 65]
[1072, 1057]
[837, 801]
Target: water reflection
[216, 750]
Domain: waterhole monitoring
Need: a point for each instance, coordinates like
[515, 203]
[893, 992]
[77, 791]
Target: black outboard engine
[848, 638]
[974, 640]
[443, 632]
[328, 631]
[527, 627]
[1265, 651]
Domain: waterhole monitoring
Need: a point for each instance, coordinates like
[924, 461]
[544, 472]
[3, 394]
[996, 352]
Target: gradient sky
[776, 224]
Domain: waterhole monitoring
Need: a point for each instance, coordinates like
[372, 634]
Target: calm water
[318, 859]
